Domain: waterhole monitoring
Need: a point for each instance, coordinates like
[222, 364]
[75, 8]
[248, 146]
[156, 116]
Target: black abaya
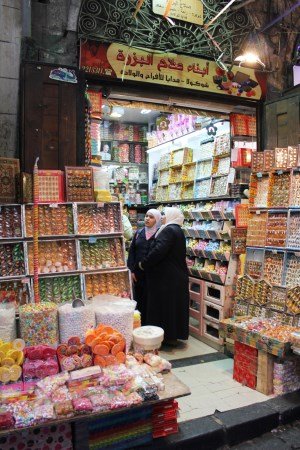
[167, 283]
[139, 248]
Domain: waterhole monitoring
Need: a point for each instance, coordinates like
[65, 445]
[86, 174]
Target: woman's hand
[133, 278]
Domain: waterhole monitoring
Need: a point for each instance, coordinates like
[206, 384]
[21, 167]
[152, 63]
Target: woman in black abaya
[167, 279]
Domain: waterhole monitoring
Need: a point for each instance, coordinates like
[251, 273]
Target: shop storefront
[140, 124]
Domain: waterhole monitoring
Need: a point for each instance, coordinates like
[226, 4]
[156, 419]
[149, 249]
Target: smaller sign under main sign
[187, 10]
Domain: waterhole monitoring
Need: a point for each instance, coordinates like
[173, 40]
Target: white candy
[48, 263]
[58, 264]
[52, 269]
[75, 321]
[8, 329]
[45, 270]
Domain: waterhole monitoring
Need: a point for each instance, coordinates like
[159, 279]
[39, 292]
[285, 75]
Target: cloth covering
[150, 231]
[173, 216]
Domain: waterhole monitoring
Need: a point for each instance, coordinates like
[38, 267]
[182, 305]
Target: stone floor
[208, 374]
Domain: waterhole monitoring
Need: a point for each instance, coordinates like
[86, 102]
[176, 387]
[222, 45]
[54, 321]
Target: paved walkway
[208, 374]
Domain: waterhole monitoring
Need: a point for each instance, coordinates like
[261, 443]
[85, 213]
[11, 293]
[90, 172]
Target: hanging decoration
[36, 232]
[115, 21]
[87, 126]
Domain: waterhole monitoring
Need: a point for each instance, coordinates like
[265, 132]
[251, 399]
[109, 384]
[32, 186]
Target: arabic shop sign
[122, 62]
[187, 10]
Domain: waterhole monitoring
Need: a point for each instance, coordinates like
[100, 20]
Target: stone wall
[10, 44]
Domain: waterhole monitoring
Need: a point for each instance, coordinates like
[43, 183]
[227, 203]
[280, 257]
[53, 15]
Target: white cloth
[150, 231]
[173, 216]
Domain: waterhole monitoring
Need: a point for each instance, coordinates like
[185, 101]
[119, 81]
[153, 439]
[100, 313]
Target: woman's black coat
[167, 283]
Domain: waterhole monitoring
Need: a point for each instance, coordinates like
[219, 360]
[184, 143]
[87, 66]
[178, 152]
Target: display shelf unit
[98, 225]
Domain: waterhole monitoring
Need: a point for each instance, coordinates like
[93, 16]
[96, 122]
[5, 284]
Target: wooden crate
[265, 366]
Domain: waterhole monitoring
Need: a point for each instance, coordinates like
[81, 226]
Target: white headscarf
[173, 216]
[150, 231]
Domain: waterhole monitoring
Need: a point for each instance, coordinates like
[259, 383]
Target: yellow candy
[20, 358]
[18, 344]
[7, 361]
[15, 372]
[4, 375]
[5, 347]
[2, 354]
[13, 354]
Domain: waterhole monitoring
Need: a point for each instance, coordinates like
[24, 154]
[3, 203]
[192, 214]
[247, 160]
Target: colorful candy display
[38, 323]
[60, 289]
[79, 184]
[14, 292]
[53, 220]
[107, 283]
[10, 222]
[74, 355]
[99, 218]
[54, 256]
[107, 344]
[12, 260]
[104, 253]
[12, 357]
[40, 362]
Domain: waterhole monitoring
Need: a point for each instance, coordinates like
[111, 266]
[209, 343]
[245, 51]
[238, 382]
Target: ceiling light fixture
[145, 111]
[249, 58]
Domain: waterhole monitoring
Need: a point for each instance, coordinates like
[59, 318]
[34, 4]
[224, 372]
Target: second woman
[138, 250]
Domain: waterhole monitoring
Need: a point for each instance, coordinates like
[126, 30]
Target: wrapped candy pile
[74, 355]
[88, 390]
[40, 362]
[286, 376]
[269, 328]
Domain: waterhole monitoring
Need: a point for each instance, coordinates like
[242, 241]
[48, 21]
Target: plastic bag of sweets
[8, 330]
[6, 419]
[39, 323]
[64, 409]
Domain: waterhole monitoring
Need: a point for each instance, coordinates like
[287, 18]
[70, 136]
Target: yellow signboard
[181, 71]
[187, 10]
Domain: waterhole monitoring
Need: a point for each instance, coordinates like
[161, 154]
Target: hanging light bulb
[249, 58]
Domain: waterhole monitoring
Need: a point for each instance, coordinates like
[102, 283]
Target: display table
[231, 328]
[174, 388]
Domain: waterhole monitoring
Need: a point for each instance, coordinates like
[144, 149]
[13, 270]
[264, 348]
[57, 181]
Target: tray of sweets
[292, 270]
[12, 260]
[281, 158]
[79, 184]
[15, 291]
[98, 218]
[60, 289]
[257, 229]
[269, 160]
[295, 189]
[58, 256]
[293, 156]
[273, 267]
[257, 162]
[51, 186]
[115, 283]
[261, 195]
[54, 220]
[278, 299]
[10, 222]
[276, 229]
[238, 240]
[279, 190]
[261, 292]
[101, 253]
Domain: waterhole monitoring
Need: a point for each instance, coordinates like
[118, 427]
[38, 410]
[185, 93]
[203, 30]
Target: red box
[245, 364]
[51, 186]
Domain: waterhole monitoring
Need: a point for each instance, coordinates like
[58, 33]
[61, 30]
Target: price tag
[297, 254]
[92, 240]
[259, 175]
[279, 172]
[257, 212]
[100, 205]
[274, 251]
[53, 205]
[25, 280]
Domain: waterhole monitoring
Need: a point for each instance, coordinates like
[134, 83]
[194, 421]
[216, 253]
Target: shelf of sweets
[65, 258]
[11, 222]
[208, 250]
[283, 300]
